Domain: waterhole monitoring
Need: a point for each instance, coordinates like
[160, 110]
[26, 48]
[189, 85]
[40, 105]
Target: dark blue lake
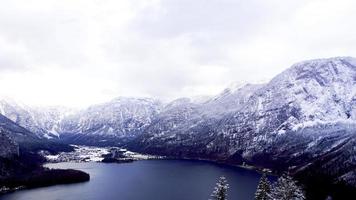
[147, 180]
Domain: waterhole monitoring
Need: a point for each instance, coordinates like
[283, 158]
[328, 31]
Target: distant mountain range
[121, 119]
[304, 119]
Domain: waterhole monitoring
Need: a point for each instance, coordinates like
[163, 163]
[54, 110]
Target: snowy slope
[123, 118]
[306, 112]
[120, 119]
[43, 121]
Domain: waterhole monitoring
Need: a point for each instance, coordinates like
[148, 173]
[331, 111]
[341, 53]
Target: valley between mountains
[303, 121]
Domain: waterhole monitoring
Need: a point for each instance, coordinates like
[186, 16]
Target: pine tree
[286, 189]
[263, 189]
[220, 190]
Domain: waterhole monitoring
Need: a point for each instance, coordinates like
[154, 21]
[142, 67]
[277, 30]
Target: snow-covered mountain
[123, 118]
[19, 147]
[110, 123]
[232, 98]
[119, 119]
[42, 121]
[304, 118]
[188, 124]
[305, 113]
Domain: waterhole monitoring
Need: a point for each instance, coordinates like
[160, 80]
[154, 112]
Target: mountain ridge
[301, 120]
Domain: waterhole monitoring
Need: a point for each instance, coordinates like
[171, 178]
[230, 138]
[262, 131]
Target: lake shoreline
[219, 162]
[119, 156]
[179, 179]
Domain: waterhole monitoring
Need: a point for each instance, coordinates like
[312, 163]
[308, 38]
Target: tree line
[285, 188]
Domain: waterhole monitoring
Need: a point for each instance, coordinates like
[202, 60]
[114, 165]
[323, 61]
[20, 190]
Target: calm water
[147, 180]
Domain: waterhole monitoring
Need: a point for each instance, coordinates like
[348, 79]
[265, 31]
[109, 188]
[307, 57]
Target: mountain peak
[319, 61]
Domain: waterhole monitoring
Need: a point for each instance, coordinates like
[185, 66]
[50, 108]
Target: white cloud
[84, 51]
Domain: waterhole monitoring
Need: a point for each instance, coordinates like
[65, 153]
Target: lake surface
[147, 180]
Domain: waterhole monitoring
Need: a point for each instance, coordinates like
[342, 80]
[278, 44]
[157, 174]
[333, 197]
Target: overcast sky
[76, 53]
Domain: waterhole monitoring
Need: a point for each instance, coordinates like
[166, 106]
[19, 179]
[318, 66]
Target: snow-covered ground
[94, 154]
[138, 156]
